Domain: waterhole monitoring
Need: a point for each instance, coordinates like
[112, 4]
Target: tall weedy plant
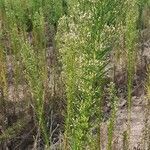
[130, 34]
[112, 121]
[87, 32]
[32, 56]
[35, 76]
[3, 80]
[34, 61]
[22, 19]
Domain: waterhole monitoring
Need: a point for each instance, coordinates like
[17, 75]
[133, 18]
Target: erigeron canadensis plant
[130, 36]
[112, 121]
[88, 34]
[35, 76]
[3, 80]
[21, 18]
[34, 64]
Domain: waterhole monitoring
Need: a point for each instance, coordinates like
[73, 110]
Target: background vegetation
[65, 68]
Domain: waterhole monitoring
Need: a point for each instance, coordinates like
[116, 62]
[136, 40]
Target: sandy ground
[137, 125]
